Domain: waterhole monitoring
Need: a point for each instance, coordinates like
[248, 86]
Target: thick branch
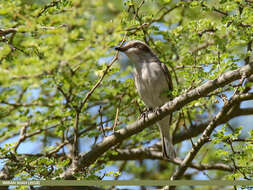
[148, 153]
[4, 32]
[176, 104]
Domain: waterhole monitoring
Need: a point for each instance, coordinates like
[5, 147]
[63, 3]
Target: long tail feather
[167, 146]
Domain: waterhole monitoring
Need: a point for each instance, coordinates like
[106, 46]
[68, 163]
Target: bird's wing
[168, 76]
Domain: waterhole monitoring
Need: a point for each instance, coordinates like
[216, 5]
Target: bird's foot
[145, 112]
[156, 110]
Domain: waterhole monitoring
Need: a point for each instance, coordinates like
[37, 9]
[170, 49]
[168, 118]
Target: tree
[65, 91]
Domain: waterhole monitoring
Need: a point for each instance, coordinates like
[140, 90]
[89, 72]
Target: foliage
[53, 53]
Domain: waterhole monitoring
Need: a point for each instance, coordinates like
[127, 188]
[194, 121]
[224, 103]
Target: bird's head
[136, 50]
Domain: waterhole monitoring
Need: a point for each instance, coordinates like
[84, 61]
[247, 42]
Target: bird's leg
[145, 112]
[156, 110]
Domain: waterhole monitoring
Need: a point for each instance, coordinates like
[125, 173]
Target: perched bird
[152, 80]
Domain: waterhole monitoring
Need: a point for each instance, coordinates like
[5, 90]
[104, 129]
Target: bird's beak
[119, 48]
[122, 48]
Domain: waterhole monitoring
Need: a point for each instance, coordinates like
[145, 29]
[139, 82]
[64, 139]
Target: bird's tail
[167, 146]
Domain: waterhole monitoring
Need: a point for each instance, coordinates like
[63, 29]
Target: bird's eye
[139, 46]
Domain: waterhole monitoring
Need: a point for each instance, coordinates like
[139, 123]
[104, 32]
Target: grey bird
[152, 80]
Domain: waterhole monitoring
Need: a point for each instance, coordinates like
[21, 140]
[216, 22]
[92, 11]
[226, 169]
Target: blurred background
[52, 53]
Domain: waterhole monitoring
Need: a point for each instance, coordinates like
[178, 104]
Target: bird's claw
[156, 110]
[145, 112]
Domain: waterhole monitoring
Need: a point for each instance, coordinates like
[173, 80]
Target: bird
[152, 80]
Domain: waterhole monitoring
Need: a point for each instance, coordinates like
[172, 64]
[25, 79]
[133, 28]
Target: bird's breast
[151, 82]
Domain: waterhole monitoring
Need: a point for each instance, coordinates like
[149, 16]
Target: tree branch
[102, 77]
[50, 5]
[197, 129]
[206, 135]
[150, 153]
[171, 106]
[4, 32]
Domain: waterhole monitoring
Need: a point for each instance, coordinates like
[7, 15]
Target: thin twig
[57, 148]
[101, 119]
[4, 32]
[21, 137]
[117, 113]
[52, 4]
[75, 143]
[102, 77]
[206, 136]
